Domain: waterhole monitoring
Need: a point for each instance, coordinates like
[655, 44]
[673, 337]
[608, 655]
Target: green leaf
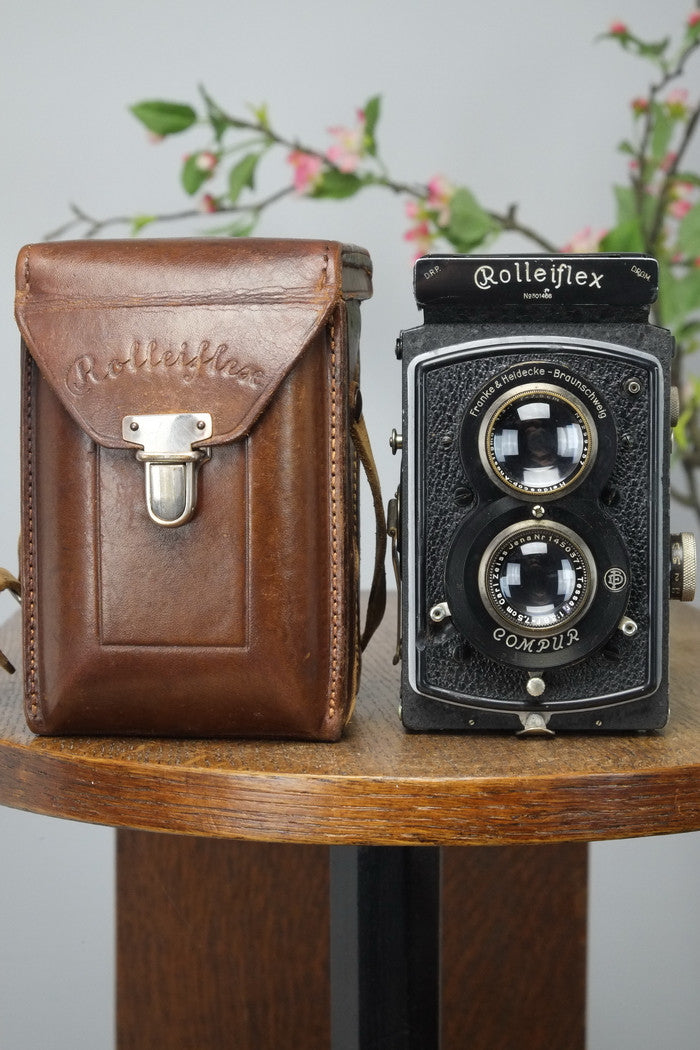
[662, 131]
[219, 120]
[689, 233]
[680, 431]
[469, 225]
[192, 176]
[692, 32]
[687, 336]
[262, 115]
[164, 118]
[216, 116]
[625, 237]
[241, 175]
[692, 399]
[337, 184]
[139, 221]
[628, 205]
[691, 177]
[240, 228]
[372, 111]
[653, 50]
[679, 297]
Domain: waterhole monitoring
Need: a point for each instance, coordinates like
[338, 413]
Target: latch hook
[165, 447]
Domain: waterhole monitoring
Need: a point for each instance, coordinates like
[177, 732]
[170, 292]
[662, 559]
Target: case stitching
[357, 637]
[334, 530]
[332, 699]
[31, 596]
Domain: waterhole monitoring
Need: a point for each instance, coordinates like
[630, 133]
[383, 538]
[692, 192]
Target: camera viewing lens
[537, 580]
[538, 440]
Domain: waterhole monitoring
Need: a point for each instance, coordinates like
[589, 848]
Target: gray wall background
[515, 100]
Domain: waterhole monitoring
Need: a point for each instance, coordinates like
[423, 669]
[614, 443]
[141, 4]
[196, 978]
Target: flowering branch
[658, 210]
[350, 164]
[89, 226]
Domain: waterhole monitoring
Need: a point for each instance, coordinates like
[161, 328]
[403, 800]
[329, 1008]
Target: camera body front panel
[534, 520]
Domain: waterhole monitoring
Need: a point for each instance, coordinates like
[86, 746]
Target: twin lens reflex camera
[531, 526]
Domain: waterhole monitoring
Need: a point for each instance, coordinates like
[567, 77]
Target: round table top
[379, 785]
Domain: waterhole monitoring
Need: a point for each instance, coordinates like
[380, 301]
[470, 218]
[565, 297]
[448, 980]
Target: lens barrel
[535, 593]
[538, 440]
[537, 579]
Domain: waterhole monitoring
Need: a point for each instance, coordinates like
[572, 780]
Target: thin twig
[94, 227]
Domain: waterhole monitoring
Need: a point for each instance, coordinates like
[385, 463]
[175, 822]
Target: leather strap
[10, 583]
[377, 595]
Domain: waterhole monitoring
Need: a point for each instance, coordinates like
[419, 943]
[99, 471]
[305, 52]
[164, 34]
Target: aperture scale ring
[519, 394]
[530, 532]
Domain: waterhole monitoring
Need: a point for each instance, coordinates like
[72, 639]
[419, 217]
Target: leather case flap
[122, 328]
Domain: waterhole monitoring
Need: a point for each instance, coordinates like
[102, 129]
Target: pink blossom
[680, 208]
[349, 146]
[420, 218]
[206, 161]
[681, 200]
[618, 29]
[584, 241]
[307, 169]
[640, 105]
[208, 203]
[439, 190]
[668, 161]
[421, 236]
[693, 19]
[418, 232]
[440, 193]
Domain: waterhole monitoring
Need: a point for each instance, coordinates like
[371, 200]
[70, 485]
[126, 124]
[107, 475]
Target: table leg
[514, 924]
[221, 944]
[226, 944]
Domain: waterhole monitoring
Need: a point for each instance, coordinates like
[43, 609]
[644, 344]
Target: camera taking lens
[536, 579]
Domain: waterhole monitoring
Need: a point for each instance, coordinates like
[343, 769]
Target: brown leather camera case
[211, 382]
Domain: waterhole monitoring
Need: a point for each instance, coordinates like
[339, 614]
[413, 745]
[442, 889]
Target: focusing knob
[395, 441]
[675, 406]
[683, 566]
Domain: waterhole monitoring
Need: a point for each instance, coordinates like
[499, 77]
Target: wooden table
[223, 919]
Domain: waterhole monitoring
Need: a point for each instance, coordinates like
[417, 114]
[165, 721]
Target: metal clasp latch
[165, 449]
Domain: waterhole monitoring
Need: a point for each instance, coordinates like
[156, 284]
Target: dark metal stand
[385, 955]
